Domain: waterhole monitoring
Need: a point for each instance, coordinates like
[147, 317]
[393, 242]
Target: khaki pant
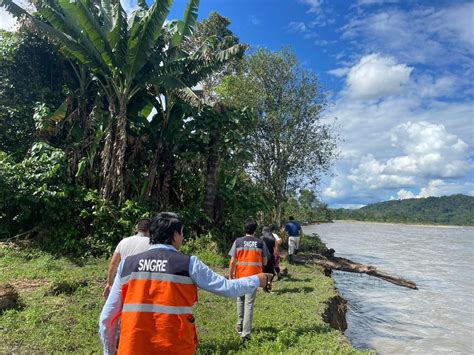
[293, 244]
[245, 305]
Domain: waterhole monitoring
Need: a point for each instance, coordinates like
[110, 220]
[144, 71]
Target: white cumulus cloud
[437, 188]
[430, 151]
[376, 76]
[422, 34]
[440, 187]
[372, 174]
[404, 194]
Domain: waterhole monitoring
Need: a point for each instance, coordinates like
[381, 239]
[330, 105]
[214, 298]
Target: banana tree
[172, 81]
[117, 54]
[129, 58]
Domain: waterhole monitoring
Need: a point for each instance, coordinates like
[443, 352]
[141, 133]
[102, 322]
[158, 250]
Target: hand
[264, 279]
[106, 292]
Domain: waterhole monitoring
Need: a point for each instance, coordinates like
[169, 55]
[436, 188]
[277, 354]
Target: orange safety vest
[248, 252]
[158, 296]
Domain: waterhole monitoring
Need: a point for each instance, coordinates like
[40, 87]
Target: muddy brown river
[436, 319]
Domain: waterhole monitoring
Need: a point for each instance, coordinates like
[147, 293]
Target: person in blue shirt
[167, 238]
[294, 231]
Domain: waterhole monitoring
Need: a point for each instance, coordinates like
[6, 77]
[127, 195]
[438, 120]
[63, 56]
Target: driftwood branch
[329, 261]
[18, 236]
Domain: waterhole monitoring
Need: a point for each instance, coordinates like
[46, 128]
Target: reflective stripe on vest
[248, 252]
[157, 312]
[146, 275]
[143, 307]
[258, 250]
[248, 263]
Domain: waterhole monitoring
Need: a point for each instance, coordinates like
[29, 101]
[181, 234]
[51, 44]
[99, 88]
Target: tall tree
[139, 57]
[217, 27]
[97, 36]
[292, 147]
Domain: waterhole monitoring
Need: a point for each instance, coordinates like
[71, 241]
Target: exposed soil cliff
[335, 313]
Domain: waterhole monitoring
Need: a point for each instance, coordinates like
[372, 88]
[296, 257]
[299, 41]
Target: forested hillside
[450, 210]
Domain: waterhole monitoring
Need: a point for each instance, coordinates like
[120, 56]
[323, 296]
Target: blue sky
[399, 77]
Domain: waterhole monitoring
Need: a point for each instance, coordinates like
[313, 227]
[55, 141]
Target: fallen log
[328, 261]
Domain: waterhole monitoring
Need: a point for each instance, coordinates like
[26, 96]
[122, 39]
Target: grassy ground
[61, 302]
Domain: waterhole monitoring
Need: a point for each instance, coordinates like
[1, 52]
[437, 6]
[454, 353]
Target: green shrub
[39, 201]
[106, 223]
[206, 249]
[38, 198]
[312, 244]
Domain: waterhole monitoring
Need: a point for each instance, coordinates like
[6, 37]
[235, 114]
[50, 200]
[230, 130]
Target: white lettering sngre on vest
[249, 244]
[152, 265]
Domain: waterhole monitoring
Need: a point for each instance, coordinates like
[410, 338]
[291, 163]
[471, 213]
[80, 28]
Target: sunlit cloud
[375, 76]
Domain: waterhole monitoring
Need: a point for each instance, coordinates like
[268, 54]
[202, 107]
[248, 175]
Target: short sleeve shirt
[133, 245]
[293, 229]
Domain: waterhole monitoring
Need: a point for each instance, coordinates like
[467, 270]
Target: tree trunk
[113, 155]
[343, 264]
[166, 185]
[211, 180]
[107, 156]
[278, 211]
[152, 169]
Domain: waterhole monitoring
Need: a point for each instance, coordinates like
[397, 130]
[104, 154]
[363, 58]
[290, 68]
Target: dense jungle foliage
[449, 210]
[106, 117]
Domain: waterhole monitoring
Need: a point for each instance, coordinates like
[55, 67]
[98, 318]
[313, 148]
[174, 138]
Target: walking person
[135, 244]
[154, 292]
[278, 242]
[270, 242]
[294, 231]
[248, 255]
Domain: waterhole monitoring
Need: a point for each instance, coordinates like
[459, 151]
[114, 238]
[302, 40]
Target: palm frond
[185, 27]
[90, 27]
[106, 9]
[178, 87]
[188, 96]
[142, 5]
[74, 41]
[118, 35]
[75, 49]
[143, 37]
[13, 8]
[234, 52]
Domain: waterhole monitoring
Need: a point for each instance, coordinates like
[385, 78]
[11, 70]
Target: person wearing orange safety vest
[154, 292]
[248, 255]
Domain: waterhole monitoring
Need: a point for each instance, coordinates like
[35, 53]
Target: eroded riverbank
[50, 319]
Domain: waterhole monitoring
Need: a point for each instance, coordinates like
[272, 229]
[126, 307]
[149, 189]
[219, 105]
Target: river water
[436, 319]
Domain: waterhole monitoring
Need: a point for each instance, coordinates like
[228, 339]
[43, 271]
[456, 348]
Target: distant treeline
[449, 210]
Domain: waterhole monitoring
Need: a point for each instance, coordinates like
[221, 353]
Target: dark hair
[163, 226]
[250, 226]
[143, 224]
[273, 228]
[267, 232]
[291, 218]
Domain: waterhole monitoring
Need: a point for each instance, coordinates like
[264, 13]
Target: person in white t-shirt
[135, 244]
